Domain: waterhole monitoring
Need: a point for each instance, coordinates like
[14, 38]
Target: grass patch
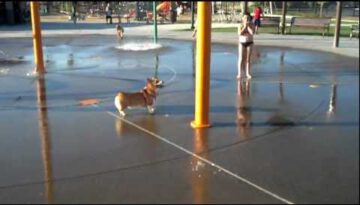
[226, 30]
[187, 29]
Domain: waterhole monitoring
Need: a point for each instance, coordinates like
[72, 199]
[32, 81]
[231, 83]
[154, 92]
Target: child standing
[246, 33]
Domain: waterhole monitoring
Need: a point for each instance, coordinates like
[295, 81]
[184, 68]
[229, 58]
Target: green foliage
[255, 4]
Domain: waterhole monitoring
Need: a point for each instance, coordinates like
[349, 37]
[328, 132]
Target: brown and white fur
[145, 98]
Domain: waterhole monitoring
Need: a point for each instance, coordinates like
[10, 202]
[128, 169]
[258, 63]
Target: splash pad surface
[314, 92]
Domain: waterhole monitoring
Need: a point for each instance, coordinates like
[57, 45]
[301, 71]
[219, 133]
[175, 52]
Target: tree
[74, 5]
[321, 3]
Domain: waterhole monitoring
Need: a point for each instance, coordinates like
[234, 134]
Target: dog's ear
[150, 82]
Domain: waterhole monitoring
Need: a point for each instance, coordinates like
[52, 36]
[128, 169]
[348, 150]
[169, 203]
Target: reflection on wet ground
[44, 133]
[270, 129]
[200, 175]
[243, 108]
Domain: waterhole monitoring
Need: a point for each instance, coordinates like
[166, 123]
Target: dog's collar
[146, 93]
[147, 100]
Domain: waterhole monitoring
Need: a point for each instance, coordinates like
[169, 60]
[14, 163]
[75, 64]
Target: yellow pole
[36, 30]
[203, 45]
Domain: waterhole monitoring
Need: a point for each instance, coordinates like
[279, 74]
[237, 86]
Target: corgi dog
[145, 98]
[119, 31]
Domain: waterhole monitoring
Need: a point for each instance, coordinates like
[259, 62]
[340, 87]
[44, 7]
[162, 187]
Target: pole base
[194, 125]
[38, 71]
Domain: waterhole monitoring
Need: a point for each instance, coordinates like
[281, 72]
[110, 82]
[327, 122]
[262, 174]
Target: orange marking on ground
[90, 101]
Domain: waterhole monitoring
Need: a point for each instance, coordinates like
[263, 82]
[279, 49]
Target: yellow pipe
[36, 30]
[203, 50]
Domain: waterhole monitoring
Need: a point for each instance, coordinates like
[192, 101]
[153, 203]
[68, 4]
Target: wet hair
[248, 16]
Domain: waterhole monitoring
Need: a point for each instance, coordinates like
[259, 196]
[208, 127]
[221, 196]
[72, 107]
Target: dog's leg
[122, 113]
[151, 109]
[119, 107]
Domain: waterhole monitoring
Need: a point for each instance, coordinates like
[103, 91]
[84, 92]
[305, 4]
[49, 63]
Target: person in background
[195, 30]
[108, 11]
[73, 14]
[163, 9]
[257, 15]
[180, 10]
[119, 31]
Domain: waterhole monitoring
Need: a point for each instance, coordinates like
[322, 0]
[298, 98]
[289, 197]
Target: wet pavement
[289, 135]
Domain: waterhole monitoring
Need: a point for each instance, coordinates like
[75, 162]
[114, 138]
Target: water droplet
[4, 71]
[138, 46]
[313, 86]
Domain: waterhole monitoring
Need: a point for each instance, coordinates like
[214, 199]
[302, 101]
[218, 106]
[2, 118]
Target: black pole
[137, 11]
[74, 4]
[192, 14]
[245, 7]
[156, 66]
[215, 9]
[283, 19]
[338, 24]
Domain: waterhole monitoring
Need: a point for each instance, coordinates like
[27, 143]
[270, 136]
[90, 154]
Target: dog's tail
[117, 102]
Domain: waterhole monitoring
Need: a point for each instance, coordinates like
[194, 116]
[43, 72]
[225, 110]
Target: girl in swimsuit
[245, 32]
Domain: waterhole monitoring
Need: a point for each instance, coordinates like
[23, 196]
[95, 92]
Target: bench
[354, 30]
[79, 17]
[223, 16]
[230, 16]
[321, 23]
[161, 15]
[128, 16]
[271, 21]
[356, 10]
[289, 22]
